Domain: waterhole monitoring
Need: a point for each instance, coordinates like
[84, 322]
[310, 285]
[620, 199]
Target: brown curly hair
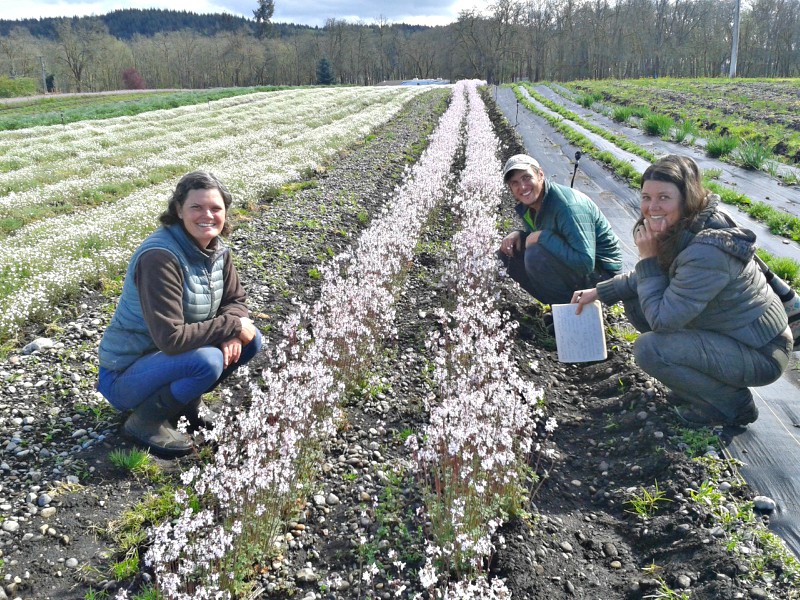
[683, 172]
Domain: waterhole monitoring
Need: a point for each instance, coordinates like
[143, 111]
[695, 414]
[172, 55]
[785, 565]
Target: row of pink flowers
[478, 439]
[254, 475]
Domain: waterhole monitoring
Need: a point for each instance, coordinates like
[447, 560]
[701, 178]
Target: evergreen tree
[324, 72]
[263, 16]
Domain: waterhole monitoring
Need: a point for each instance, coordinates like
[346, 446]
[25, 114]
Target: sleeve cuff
[648, 267]
[607, 292]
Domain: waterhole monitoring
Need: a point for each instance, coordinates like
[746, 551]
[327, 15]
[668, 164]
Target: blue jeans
[189, 375]
[547, 278]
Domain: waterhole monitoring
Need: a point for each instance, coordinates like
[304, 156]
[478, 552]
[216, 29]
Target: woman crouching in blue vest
[181, 325]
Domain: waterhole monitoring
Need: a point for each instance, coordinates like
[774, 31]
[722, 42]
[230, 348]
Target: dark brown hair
[196, 180]
[684, 173]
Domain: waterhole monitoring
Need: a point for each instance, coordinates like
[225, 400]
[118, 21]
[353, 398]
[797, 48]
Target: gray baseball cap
[519, 161]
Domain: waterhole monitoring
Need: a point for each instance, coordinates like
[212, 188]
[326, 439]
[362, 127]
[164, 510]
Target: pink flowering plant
[264, 452]
[477, 445]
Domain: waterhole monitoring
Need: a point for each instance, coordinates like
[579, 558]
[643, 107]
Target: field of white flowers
[472, 447]
[390, 440]
[52, 178]
[76, 200]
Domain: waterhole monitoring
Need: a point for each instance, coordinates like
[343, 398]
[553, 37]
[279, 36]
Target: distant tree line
[509, 40]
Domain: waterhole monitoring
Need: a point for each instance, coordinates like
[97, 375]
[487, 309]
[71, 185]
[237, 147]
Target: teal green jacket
[573, 230]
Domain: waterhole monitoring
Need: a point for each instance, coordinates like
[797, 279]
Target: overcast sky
[305, 12]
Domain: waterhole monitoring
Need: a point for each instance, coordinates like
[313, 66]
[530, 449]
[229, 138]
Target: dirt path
[770, 448]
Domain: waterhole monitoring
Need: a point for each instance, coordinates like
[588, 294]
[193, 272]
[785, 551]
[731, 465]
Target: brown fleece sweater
[159, 279]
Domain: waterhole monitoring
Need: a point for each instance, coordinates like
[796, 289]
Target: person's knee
[208, 363]
[536, 258]
[646, 353]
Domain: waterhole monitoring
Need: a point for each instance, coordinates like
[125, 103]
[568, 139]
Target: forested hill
[125, 23]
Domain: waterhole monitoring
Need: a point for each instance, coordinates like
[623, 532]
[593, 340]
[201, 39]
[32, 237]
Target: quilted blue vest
[126, 339]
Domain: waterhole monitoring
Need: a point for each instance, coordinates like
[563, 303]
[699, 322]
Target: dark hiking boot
[746, 415]
[703, 415]
[149, 425]
[674, 399]
[699, 416]
[199, 415]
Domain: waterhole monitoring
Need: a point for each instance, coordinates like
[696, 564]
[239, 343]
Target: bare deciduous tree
[512, 39]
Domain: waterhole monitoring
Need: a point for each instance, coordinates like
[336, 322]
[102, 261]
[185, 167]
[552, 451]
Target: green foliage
[712, 173]
[314, 273]
[784, 267]
[658, 124]
[392, 519]
[641, 112]
[147, 593]
[14, 88]
[719, 146]
[621, 114]
[93, 594]
[676, 96]
[686, 129]
[752, 155]
[125, 568]
[665, 592]
[790, 177]
[587, 100]
[697, 441]
[621, 167]
[324, 72]
[136, 462]
[404, 434]
[707, 494]
[52, 110]
[623, 332]
[372, 385]
[617, 309]
[774, 552]
[646, 503]
[262, 17]
[783, 224]
[129, 530]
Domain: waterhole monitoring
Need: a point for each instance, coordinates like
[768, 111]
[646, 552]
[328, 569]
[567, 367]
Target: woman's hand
[646, 237]
[582, 297]
[248, 331]
[231, 351]
[510, 243]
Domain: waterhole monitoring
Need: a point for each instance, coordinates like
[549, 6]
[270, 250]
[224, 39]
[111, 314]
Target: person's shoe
[674, 400]
[149, 425]
[695, 415]
[199, 415]
[745, 416]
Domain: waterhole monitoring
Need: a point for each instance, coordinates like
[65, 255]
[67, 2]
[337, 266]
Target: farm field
[766, 112]
[383, 253]
[78, 199]
[60, 109]
[769, 196]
